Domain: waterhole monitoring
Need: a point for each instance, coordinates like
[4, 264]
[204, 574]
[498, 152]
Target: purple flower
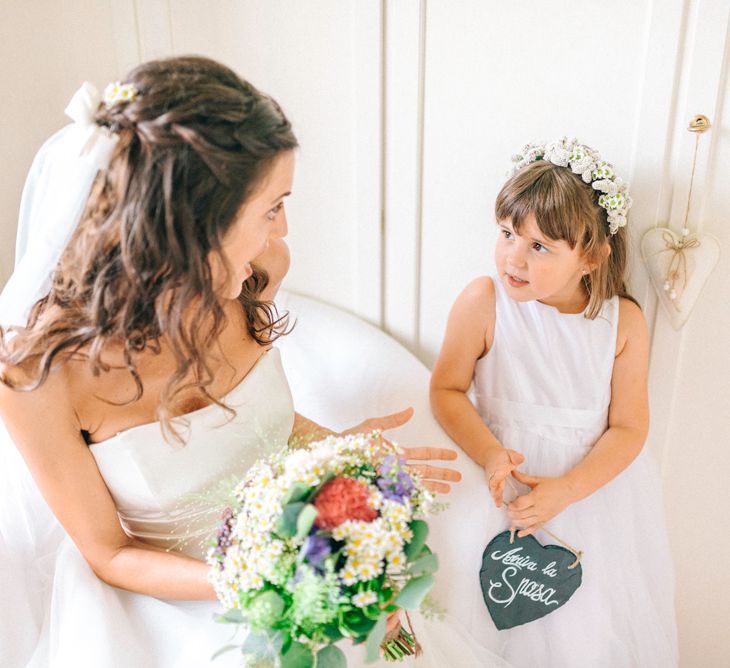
[316, 549]
[386, 465]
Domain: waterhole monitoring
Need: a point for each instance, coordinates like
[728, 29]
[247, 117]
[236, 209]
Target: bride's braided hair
[193, 145]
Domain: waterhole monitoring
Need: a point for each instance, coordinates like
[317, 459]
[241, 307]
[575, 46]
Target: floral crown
[587, 162]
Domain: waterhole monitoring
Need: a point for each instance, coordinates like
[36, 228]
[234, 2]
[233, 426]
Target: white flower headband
[587, 162]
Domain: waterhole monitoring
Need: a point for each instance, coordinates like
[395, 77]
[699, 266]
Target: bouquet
[321, 544]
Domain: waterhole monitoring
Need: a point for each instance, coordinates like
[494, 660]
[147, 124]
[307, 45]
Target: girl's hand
[548, 497]
[500, 462]
[434, 478]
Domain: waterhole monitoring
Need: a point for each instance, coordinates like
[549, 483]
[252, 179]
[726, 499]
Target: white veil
[53, 200]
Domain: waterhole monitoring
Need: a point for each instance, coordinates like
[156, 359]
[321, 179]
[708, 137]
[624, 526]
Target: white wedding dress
[170, 496]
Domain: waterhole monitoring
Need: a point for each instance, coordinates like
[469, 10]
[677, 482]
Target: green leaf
[414, 592]
[375, 638]
[256, 644]
[305, 520]
[356, 624]
[297, 656]
[420, 533]
[372, 611]
[331, 657]
[298, 492]
[427, 564]
[333, 633]
[233, 616]
[287, 525]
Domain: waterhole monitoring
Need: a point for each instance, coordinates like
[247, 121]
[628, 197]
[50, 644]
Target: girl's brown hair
[566, 208]
[192, 147]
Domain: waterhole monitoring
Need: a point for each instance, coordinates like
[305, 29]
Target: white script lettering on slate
[535, 591]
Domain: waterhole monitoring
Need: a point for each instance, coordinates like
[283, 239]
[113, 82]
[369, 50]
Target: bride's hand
[435, 478]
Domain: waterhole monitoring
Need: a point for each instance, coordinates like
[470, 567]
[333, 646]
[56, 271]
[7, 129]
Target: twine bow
[678, 262]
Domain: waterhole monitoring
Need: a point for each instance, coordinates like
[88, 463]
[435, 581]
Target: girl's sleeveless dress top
[548, 374]
[544, 390]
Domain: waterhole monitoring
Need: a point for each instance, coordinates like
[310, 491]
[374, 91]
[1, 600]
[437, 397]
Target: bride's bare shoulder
[27, 405]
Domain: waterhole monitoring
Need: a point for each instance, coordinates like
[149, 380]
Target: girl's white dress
[544, 390]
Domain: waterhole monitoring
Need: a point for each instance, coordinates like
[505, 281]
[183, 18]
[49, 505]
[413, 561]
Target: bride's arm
[43, 426]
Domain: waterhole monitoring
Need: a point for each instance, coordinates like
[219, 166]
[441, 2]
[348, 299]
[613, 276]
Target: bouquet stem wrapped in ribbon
[321, 544]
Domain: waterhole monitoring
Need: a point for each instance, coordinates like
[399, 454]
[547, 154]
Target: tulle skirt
[621, 616]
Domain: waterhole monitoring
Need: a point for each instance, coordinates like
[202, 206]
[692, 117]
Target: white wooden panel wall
[325, 70]
[496, 79]
[690, 370]
[407, 112]
[47, 49]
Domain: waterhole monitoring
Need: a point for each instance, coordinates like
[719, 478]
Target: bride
[137, 374]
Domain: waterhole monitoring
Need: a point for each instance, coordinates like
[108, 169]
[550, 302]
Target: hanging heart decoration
[678, 267]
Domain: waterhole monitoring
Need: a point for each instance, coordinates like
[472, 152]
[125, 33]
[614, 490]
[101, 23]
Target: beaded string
[578, 553]
[677, 267]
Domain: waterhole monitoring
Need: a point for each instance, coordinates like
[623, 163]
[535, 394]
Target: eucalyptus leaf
[256, 644]
[427, 564]
[375, 639]
[287, 525]
[233, 616]
[298, 492]
[411, 596]
[297, 656]
[331, 657]
[305, 520]
[420, 534]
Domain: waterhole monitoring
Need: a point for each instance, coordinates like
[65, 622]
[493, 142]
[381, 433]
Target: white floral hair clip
[593, 169]
[117, 92]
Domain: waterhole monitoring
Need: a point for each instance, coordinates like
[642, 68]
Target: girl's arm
[43, 426]
[628, 425]
[469, 331]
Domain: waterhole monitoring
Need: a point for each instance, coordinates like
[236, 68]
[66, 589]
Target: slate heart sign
[525, 580]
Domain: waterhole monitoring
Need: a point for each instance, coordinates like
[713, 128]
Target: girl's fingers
[522, 502]
[521, 515]
[529, 531]
[515, 457]
[436, 472]
[422, 453]
[525, 479]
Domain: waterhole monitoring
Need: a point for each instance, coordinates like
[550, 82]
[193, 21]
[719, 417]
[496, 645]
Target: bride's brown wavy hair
[192, 147]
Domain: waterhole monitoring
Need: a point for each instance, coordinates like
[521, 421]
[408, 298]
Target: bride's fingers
[435, 472]
[385, 422]
[444, 454]
[438, 487]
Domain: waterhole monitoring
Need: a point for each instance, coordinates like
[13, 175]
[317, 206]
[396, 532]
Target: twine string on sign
[578, 553]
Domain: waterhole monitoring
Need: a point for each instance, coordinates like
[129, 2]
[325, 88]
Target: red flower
[343, 499]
